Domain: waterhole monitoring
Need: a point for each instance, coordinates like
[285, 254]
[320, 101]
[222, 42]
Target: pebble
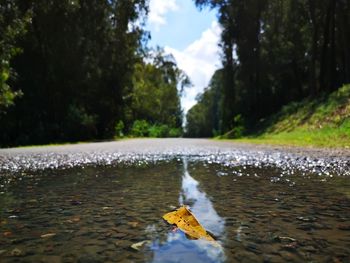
[17, 253]
[48, 235]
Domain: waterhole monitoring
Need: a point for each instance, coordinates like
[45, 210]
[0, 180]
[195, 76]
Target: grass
[322, 122]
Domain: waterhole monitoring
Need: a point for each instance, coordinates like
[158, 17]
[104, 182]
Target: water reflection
[178, 247]
[100, 214]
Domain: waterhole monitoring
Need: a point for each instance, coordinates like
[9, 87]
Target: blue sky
[191, 35]
[182, 25]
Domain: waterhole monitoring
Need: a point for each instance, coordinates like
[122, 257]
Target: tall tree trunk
[325, 56]
[313, 83]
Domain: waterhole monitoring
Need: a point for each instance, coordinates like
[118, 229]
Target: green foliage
[204, 118]
[278, 51]
[155, 97]
[12, 26]
[312, 114]
[74, 66]
[156, 90]
[174, 132]
[142, 128]
[237, 130]
[324, 121]
[159, 131]
[119, 129]
[80, 123]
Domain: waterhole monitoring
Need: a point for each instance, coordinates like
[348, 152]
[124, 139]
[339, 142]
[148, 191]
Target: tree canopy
[277, 51]
[73, 70]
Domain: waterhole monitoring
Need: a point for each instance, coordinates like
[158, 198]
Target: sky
[191, 36]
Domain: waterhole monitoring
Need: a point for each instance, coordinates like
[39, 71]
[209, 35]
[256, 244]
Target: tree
[75, 69]
[278, 51]
[157, 89]
[12, 27]
[204, 118]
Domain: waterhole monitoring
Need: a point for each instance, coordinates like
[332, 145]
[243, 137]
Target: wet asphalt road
[315, 160]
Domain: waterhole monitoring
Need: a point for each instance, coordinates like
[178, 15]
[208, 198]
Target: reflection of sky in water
[180, 249]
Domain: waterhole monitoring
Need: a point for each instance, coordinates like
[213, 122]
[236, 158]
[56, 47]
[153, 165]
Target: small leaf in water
[137, 246]
[48, 235]
[187, 222]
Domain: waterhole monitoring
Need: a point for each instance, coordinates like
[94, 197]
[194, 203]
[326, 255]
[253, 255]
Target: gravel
[327, 162]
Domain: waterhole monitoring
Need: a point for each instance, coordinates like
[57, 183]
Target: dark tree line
[277, 51]
[68, 69]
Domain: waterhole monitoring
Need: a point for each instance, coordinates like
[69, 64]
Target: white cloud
[158, 11]
[199, 61]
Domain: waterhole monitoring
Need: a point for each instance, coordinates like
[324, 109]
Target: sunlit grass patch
[324, 122]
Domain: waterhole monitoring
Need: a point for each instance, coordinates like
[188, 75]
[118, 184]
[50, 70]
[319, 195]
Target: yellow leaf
[187, 222]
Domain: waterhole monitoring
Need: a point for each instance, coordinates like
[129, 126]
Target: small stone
[291, 246]
[133, 224]
[48, 235]
[7, 234]
[75, 202]
[16, 252]
[285, 239]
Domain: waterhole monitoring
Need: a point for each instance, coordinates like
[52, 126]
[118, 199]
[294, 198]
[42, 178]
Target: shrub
[175, 132]
[238, 128]
[140, 128]
[119, 129]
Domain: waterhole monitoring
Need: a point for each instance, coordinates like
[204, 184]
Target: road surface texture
[315, 160]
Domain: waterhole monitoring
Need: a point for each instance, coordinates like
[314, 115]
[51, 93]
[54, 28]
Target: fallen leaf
[48, 235]
[187, 222]
[139, 245]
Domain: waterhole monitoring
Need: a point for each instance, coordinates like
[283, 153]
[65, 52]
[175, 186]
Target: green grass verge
[322, 122]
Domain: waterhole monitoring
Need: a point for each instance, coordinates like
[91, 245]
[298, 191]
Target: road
[144, 150]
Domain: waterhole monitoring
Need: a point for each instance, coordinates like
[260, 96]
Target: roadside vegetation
[82, 71]
[324, 121]
[284, 63]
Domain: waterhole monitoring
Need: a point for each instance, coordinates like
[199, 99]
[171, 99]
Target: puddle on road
[98, 214]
